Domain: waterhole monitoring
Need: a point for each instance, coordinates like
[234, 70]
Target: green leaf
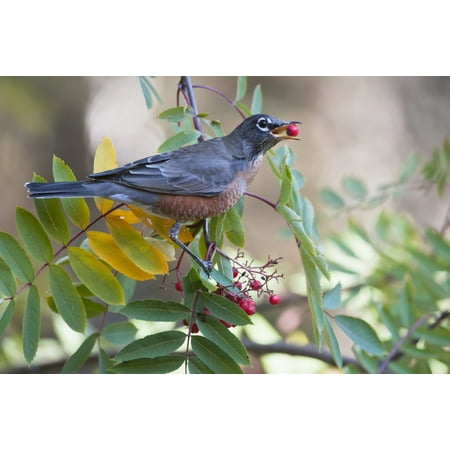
[160, 364]
[241, 88]
[96, 276]
[128, 285]
[257, 100]
[15, 257]
[369, 362]
[332, 342]
[361, 333]
[218, 333]
[354, 227]
[410, 167]
[332, 299]
[105, 363]
[7, 283]
[338, 240]
[78, 359]
[7, 316]
[244, 109]
[149, 91]
[119, 332]
[434, 336]
[389, 321]
[355, 188]
[286, 186]
[76, 208]
[440, 245]
[376, 200]
[223, 280]
[176, 114]
[212, 356]
[216, 126]
[158, 344]
[31, 325]
[52, 217]
[334, 266]
[225, 309]
[93, 309]
[314, 291]
[405, 303]
[332, 199]
[295, 222]
[67, 299]
[178, 140]
[155, 310]
[235, 232]
[33, 236]
[197, 367]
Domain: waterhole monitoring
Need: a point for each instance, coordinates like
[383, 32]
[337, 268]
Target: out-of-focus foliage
[387, 287]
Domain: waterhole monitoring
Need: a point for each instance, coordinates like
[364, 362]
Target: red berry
[238, 284]
[251, 307]
[255, 285]
[227, 324]
[179, 286]
[247, 305]
[274, 299]
[235, 272]
[194, 328]
[292, 130]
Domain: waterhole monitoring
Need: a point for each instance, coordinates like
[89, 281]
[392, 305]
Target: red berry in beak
[292, 130]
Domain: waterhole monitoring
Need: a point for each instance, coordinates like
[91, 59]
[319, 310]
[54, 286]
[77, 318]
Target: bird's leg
[207, 266]
[210, 245]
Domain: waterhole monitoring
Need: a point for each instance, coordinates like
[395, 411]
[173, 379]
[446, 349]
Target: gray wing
[204, 169]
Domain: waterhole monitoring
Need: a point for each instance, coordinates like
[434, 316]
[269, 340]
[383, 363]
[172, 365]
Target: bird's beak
[280, 132]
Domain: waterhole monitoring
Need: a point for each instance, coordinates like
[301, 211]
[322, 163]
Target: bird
[188, 184]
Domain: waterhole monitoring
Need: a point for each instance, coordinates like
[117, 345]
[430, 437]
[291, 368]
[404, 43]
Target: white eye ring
[263, 123]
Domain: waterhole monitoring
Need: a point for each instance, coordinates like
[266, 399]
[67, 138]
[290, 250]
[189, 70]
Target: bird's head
[261, 132]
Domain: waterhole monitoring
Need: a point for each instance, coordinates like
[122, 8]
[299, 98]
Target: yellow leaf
[125, 214]
[105, 159]
[103, 245]
[96, 276]
[144, 255]
[161, 225]
[166, 248]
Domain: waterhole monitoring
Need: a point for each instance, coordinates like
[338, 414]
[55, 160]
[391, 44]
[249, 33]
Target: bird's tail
[63, 189]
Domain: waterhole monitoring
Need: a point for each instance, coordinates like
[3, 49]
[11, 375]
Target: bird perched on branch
[188, 184]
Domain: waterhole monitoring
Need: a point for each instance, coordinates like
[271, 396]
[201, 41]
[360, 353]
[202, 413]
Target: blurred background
[360, 126]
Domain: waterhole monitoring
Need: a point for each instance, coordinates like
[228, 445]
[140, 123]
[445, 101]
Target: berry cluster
[249, 280]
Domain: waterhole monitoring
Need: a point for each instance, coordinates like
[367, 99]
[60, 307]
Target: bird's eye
[263, 123]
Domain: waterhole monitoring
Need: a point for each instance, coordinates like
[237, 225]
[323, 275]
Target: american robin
[187, 184]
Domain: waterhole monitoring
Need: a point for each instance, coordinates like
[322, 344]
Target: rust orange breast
[189, 208]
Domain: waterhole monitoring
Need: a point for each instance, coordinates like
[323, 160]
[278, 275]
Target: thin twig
[267, 202]
[395, 349]
[224, 96]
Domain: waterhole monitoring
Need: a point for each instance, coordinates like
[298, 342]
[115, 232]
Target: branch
[395, 352]
[185, 85]
[297, 350]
